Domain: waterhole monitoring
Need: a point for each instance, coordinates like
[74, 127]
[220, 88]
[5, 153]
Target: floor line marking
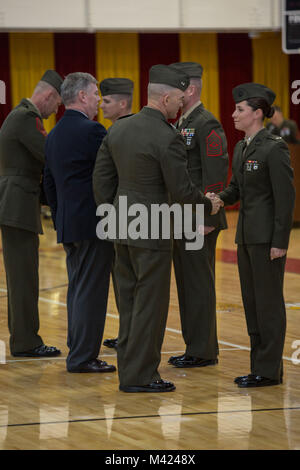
[195, 413]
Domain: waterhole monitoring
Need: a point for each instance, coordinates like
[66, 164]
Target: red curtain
[155, 49]
[74, 52]
[235, 67]
[294, 64]
[5, 75]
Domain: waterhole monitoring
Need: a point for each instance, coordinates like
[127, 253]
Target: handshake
[216, 202]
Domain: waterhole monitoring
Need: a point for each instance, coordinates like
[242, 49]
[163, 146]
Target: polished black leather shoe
[94, 366]
[111, 343]
[241, 378]
[174, 358]
[40, 351]
[192, 361]
[158, 386]
[257, 381]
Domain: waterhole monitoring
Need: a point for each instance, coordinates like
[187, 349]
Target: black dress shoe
[192, 361]
[241, 378]
[111, 343]
[158, 386]
[40, 351]
[94, 366]
[257, 381]
[174, 358]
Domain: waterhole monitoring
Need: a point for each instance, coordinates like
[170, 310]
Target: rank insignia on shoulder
[274, 137]
[188, 134]
[214, 145]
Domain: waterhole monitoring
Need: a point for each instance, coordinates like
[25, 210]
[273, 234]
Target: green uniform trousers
[21, 261]
[143, 278]
[262, 292]
[195, 279]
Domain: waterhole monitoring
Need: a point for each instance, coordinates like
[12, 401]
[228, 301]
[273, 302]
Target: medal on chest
[252, 165]
[188, 134]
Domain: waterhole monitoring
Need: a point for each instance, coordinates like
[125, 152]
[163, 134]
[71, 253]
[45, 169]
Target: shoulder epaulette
[275, 137]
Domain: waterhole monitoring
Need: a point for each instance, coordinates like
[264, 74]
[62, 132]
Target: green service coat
[288, 130]
[262, 181]
[143, 157]
[206, 147]
[22, 140]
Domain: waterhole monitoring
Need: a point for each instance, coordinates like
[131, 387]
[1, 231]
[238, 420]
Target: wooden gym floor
[44, 407]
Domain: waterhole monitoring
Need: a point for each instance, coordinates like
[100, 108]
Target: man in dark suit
[71, 150]
[22, 158]
[195, 269]
[143, 159]
[116, 104]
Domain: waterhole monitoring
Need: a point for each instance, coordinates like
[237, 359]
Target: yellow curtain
[31, 54]
[203, 48]
[117, 55]
[271, 67]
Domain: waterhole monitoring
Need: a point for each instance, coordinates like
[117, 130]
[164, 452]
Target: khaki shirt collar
[248, 140]
[188, 112]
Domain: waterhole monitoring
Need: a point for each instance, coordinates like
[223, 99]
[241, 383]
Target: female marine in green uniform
[262, 181]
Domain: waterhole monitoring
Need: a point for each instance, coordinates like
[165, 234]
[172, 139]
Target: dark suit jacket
[263, 182]
[22, 155]
[143, 157]
[206, 146]
[71, 150]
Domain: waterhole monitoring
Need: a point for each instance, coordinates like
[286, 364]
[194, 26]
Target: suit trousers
[114, 282]
[195, 279]
[262, 292]
[21, 261]
[143, 277]
[88, 265]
